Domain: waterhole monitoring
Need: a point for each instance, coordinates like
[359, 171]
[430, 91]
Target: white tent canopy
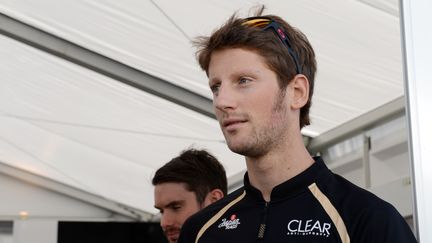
[67, 117]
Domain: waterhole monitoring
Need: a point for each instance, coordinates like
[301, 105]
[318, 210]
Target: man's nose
[225, 98]
[166, 221]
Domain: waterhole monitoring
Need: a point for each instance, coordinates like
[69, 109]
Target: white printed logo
[232, 223]
[308, 227]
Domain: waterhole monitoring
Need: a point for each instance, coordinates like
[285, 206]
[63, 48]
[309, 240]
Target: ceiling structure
[98, 94]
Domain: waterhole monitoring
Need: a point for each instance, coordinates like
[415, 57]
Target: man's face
[251, 109]
[175, 204]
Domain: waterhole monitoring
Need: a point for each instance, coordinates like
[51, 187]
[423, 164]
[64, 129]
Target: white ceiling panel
[133, 32]
[357, 44]
[83, 129]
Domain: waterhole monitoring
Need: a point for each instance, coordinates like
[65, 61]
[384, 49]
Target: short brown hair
[233, 34]
[198, 169]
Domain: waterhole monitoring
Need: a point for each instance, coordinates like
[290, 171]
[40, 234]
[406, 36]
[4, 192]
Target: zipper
[262, 227]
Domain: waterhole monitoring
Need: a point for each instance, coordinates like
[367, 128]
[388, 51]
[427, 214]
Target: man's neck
[278, 166]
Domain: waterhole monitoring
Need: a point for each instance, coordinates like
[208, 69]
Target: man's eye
[176, 208]
[214, 88]
[243, 80]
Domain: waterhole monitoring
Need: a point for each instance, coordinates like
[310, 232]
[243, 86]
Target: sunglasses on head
[268, 23]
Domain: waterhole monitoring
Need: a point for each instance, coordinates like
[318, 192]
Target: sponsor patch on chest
[230, 223]
[308, 227]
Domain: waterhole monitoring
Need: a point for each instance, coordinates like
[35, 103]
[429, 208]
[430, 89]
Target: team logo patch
[231, 223]
[308, 227]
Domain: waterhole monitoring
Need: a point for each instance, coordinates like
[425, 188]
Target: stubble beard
[169, 230]
[266, 138]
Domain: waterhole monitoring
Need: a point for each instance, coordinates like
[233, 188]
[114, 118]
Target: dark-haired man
[186, 184]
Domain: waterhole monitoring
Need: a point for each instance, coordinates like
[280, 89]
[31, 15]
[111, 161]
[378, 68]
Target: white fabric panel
[134, 32]
[81, 128]
[357, 43]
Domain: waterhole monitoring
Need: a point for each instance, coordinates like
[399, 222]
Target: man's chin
[237, 145]
[248, 151]
[238, 149]
[173, 238]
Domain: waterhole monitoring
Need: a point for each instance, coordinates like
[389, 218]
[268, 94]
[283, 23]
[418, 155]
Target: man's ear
[213, 196]
[300, 88]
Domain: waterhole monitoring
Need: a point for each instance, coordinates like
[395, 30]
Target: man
[186, 184]
[261, 71]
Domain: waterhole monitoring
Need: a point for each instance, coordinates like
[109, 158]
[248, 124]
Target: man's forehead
[172, 192]
[244, 67]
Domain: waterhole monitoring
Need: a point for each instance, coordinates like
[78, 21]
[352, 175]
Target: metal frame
[417, 50]
[382, 114]
[366, 160]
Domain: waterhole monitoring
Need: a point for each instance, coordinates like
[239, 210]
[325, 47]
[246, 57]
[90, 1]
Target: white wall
[6, 238]
[17, 196]
[45, 208]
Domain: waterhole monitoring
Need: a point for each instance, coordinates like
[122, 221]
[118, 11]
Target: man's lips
[231, 123]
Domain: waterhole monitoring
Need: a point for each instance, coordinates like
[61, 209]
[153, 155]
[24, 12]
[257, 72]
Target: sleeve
[383, 225]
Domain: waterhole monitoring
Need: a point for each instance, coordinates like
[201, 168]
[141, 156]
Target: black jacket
[315, 206]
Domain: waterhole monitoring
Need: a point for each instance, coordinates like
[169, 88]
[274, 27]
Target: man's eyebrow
[212, 81]
[178, 202]
[172, 203]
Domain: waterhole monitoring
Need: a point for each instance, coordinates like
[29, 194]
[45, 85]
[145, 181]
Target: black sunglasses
[268, 23]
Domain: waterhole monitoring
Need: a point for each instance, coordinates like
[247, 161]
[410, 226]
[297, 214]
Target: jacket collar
[294, 186]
